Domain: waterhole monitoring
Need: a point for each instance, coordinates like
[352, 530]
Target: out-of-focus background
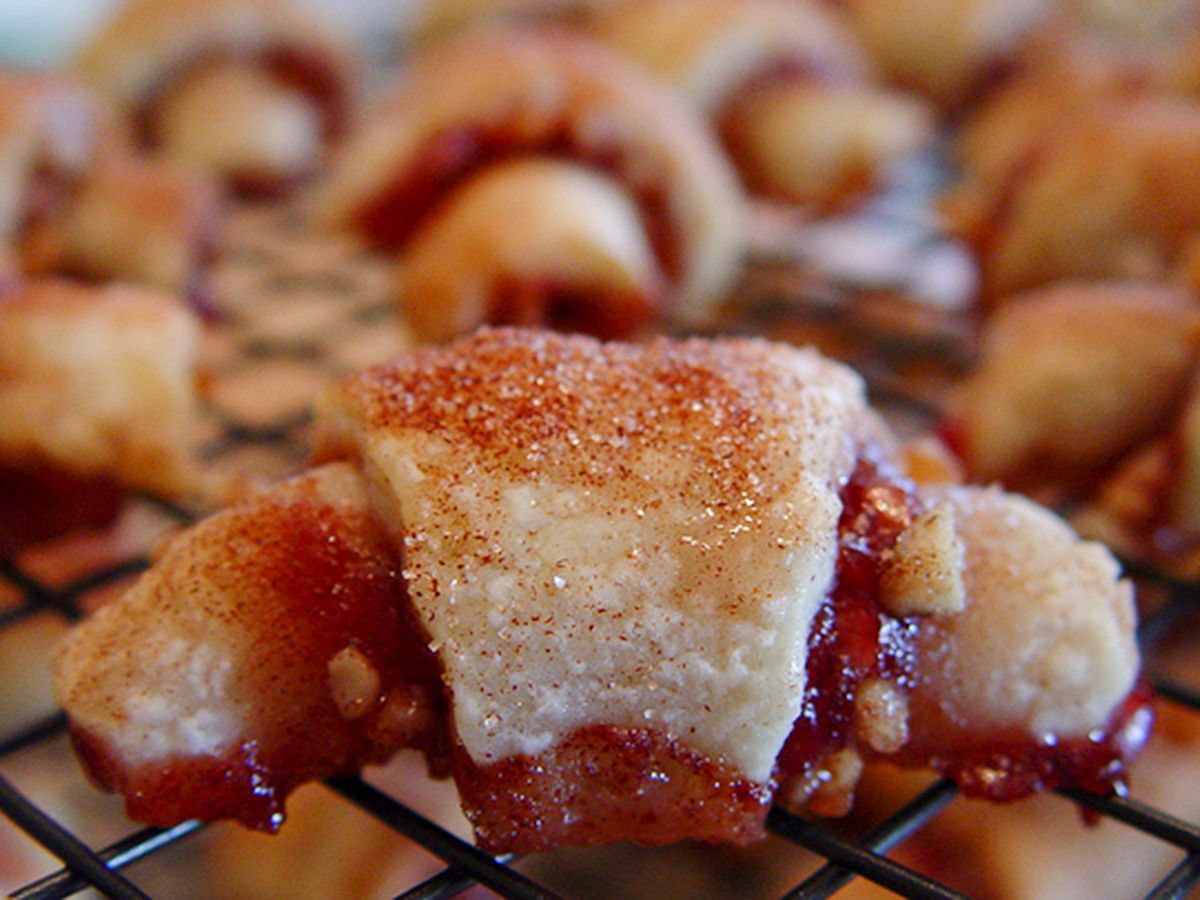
[41, 34]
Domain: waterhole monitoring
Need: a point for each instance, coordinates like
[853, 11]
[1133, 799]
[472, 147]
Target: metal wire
[466, 865]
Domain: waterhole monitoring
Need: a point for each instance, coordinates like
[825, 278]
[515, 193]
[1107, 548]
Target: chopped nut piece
[407, 713]
[353, 682]
[929, 461]
[840, 773]
[881, 715]
[925, 576]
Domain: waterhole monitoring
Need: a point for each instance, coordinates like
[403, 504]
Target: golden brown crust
[133, 219]
[146, 39]
[709, 48]
[500, 94]
[433, 19]
[48, 127]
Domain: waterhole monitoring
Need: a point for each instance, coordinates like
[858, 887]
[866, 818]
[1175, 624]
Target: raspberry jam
[43, 501]
[852, 637]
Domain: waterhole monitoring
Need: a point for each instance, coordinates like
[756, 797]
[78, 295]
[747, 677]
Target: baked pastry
[1108, 194]
[50, 131]
[532, 177]
[133, 219]
[75, 200]
[1087, 391]
[96, 397]
[434, 19]
[786, 84]
[1057, 81]
[252, 91]
[621, 592]
[948, 50]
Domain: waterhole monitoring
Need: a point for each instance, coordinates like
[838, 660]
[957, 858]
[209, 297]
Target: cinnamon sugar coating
[666, 511]
[621, 592]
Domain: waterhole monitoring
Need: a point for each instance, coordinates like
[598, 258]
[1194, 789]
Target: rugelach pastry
[250, 91]
[429, 20]
[786, 84]
[528, 176]
[619, 592]
[1087, 393]
[97, 397]
[76, 200]
[948, 50]
[1107, 194]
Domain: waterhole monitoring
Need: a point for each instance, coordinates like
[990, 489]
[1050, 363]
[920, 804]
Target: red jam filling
[603, 784]
[321, 584]
[852, 638]
[1008, 769]
[42, 501]
[571, 308]
[449, 157]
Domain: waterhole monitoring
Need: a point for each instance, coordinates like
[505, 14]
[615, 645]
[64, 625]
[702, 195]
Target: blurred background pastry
[786, 84]
[531, 176]
[250, 91]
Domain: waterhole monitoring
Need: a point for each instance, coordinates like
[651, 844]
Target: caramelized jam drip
[450, 156]
[43, 501]
[603, 784]
[1012, 768]
[320, 583]
[852, 637]
[571, 308]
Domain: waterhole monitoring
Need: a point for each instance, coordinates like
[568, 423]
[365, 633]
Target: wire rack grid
[307, 316]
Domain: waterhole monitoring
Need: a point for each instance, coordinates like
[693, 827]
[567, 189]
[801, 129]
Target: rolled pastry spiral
[76, 200]
[786, 83]
[530, 176]
[620, 592]
[251, 92]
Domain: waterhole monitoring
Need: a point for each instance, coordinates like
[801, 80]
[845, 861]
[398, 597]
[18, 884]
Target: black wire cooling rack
[265, 334]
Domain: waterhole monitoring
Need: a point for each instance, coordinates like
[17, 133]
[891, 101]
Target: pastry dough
[1088, 390]
[96, 394]
[74, 199]
[786, 83]
[945, 49]
[1107, 195]
[1072, 377]
[50, 132]
[134, 219]
[623, 592]
[424, 158]
[249, 91]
